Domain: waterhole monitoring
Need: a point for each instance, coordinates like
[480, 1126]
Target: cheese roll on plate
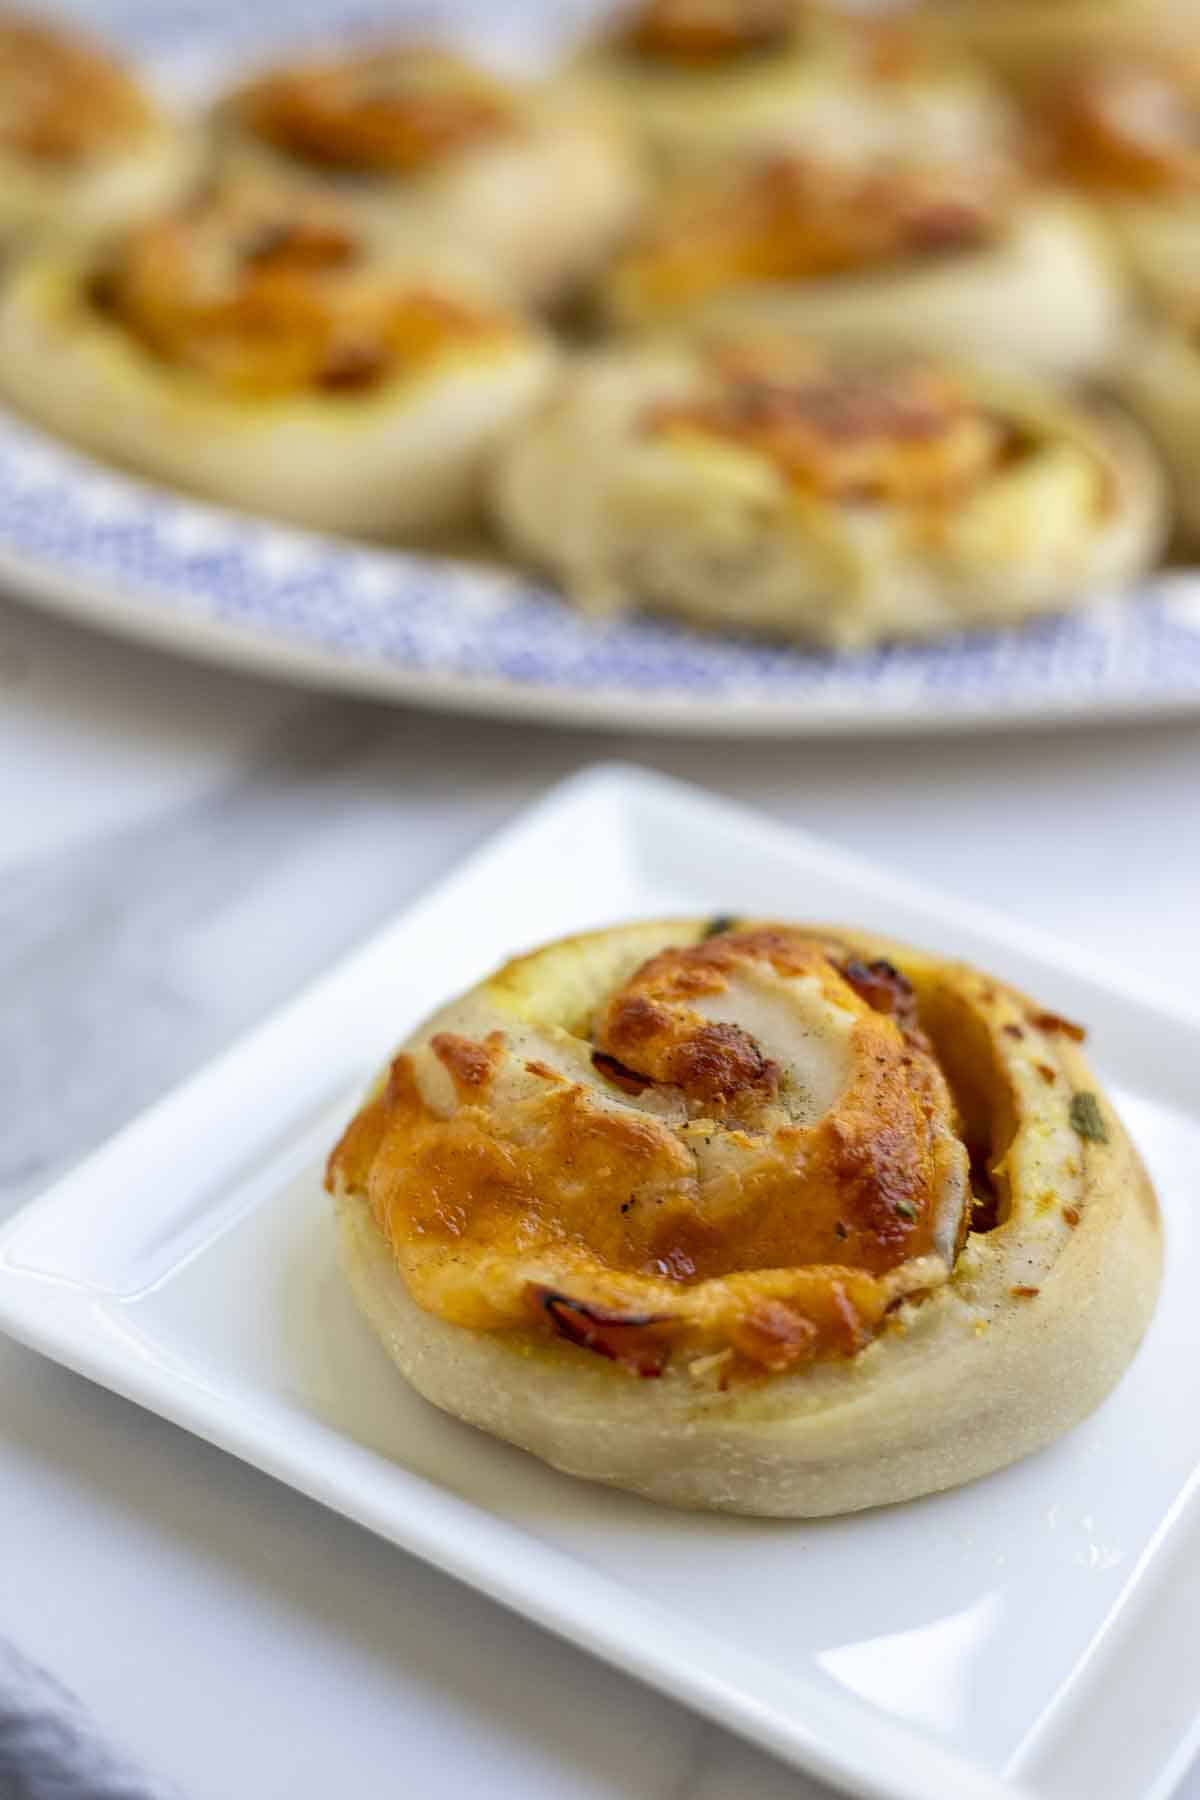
[968, 259]
[251, 345]
[82, 145]
[759, 1217]
[757, 485]
[1125, 129]
[521, 190]
[1022, 37]
[1160, 383]
[706, 79]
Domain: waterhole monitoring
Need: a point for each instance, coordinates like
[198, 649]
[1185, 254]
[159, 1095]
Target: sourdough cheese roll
[1159, 381]
[764, 1218]
[965, 259]
[82, 146]
[1125, 130]
[760, 485]
[251, 346]
[1023, 38]
[467, 175]
[704, 80]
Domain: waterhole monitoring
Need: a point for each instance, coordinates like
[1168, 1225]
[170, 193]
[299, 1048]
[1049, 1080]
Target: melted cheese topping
[909, 434]
[1130, 123]
[62, 100]
[704, 32]
[392, 110]
[789, 220]
[754, 1154]
[264, 292]
[712, 35]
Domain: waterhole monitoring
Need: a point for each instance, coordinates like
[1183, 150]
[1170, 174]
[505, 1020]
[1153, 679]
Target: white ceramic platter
[1035, 1628]
[137, 560]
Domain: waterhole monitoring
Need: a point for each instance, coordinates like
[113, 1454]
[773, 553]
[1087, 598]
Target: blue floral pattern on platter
[152, 563]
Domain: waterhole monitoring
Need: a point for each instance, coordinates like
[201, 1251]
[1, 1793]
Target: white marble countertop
[179, 849]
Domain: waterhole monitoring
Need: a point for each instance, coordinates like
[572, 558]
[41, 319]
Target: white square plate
[1033, 1628]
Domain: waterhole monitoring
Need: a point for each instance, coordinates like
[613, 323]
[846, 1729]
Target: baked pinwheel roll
[82, 146]
[251, 346]
[1159, 381]
[965, 259]
[520, 190]
[704, 80]
[1023, 38]
[765, 1218]
[759, 485]
[1125, 129]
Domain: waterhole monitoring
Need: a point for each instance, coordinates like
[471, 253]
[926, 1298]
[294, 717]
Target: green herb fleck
[1087, 1119]
[840, 1230]
[719, 925]
[905, 1210]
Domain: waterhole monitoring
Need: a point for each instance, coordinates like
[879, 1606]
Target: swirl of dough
[792, 219]
[1129, 123]
[1125, 130]
[964, 255]
[756, 482]
[706, 80]
[909, 434]
[1033, 41]
[755, 1216]
[753, 1150]
[64, 100]
[1159, 381]
[84, 149]
[393, 109]
[517, 191]
[265, 289]
[255, 345]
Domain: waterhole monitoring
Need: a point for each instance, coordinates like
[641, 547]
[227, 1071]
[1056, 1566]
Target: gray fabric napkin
[52, 1749]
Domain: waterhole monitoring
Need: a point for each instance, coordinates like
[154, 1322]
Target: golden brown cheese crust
[1038, 1318]
[708, 35]
[910, 433]
[792, 219]
[263, 290]
[1128, 123]
[837, 498]
[390, 110]
[62, 99]
[1034, 42]
[692, 1193]
[704, 32]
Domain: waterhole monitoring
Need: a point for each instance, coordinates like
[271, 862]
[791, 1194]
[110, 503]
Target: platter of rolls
[724, 365]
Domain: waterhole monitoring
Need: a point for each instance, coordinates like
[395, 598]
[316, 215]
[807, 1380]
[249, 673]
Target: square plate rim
[838, 1738]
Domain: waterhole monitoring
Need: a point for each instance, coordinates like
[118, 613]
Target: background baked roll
[1021, 38]
[250, 345]
[1160, 383]
[82, 145]
[704, 80]
[1124, 128]
[764, 1218]
[518, 189]
[966, 259]
[761, 485]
